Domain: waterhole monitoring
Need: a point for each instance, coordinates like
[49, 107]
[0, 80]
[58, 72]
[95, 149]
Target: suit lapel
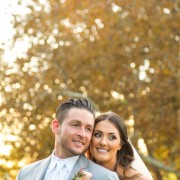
[41, 169]
[81, 163]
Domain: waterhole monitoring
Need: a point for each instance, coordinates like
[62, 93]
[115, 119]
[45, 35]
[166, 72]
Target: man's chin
[78, 151]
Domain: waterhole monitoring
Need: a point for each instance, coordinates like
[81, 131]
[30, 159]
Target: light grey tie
[58, 171]
[62, 175]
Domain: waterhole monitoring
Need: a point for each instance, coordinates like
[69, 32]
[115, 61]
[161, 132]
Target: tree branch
[157, 164]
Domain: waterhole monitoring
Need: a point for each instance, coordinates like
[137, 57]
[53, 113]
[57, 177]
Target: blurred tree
[122, 55]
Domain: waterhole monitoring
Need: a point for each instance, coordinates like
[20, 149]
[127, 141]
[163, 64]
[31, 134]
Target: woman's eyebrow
[98, 130]
[111, 133]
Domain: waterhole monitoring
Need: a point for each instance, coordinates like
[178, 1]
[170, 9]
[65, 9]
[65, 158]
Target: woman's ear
[55, 126]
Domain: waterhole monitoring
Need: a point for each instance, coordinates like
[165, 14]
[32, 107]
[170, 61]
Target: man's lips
[79, 142]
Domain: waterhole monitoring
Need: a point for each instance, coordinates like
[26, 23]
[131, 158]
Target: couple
[110, 149]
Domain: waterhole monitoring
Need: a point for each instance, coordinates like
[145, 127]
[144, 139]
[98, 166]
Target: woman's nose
[103, 141]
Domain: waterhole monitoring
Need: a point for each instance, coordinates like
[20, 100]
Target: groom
[72, 127]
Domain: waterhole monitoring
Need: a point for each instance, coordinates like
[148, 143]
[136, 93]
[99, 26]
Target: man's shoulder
[33, 164]
[98, 167]
[100, 171]
[29, 169]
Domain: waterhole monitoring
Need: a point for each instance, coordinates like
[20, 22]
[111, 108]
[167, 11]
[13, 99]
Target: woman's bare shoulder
[130, 172]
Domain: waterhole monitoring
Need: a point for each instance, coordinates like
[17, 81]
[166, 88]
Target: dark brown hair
[64, 108]
[125, 155]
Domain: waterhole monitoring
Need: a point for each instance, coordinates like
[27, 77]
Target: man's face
[74, 134]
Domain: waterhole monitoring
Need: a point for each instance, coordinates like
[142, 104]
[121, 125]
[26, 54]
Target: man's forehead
[80, 114]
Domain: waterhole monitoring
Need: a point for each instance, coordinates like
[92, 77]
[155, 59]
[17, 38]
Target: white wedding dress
[139, 165]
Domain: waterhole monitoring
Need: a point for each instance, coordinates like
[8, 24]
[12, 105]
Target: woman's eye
[112, 137]
[97, 135]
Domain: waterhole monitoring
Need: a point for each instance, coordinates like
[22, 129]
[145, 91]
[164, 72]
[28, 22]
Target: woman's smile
[105, 143]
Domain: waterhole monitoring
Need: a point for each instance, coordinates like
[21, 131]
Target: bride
[111, 148]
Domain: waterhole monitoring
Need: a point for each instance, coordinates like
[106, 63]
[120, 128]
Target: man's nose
[82, 132]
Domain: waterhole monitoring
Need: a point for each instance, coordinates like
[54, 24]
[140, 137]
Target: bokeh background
[122, 55]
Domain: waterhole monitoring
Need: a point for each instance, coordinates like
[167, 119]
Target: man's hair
[63, 109]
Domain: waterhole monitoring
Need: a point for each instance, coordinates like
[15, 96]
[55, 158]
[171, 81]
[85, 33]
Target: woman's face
[105, 143]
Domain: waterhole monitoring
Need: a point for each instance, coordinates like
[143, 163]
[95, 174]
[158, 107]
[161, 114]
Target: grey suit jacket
[37, 170]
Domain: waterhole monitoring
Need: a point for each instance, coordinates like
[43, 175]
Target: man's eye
[75, 125]
[89, 129]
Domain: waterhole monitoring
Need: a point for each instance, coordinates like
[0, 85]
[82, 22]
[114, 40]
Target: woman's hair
[125, 155]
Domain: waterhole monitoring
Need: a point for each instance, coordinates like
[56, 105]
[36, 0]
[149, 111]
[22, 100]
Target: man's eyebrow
[90, 125]
[80, 122]
[75, 120]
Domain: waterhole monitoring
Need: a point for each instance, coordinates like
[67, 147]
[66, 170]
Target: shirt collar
[70, 162]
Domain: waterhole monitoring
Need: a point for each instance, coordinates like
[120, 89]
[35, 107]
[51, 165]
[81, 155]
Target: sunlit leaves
[122, 54]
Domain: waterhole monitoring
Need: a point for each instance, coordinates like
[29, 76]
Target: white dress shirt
[60, 169]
